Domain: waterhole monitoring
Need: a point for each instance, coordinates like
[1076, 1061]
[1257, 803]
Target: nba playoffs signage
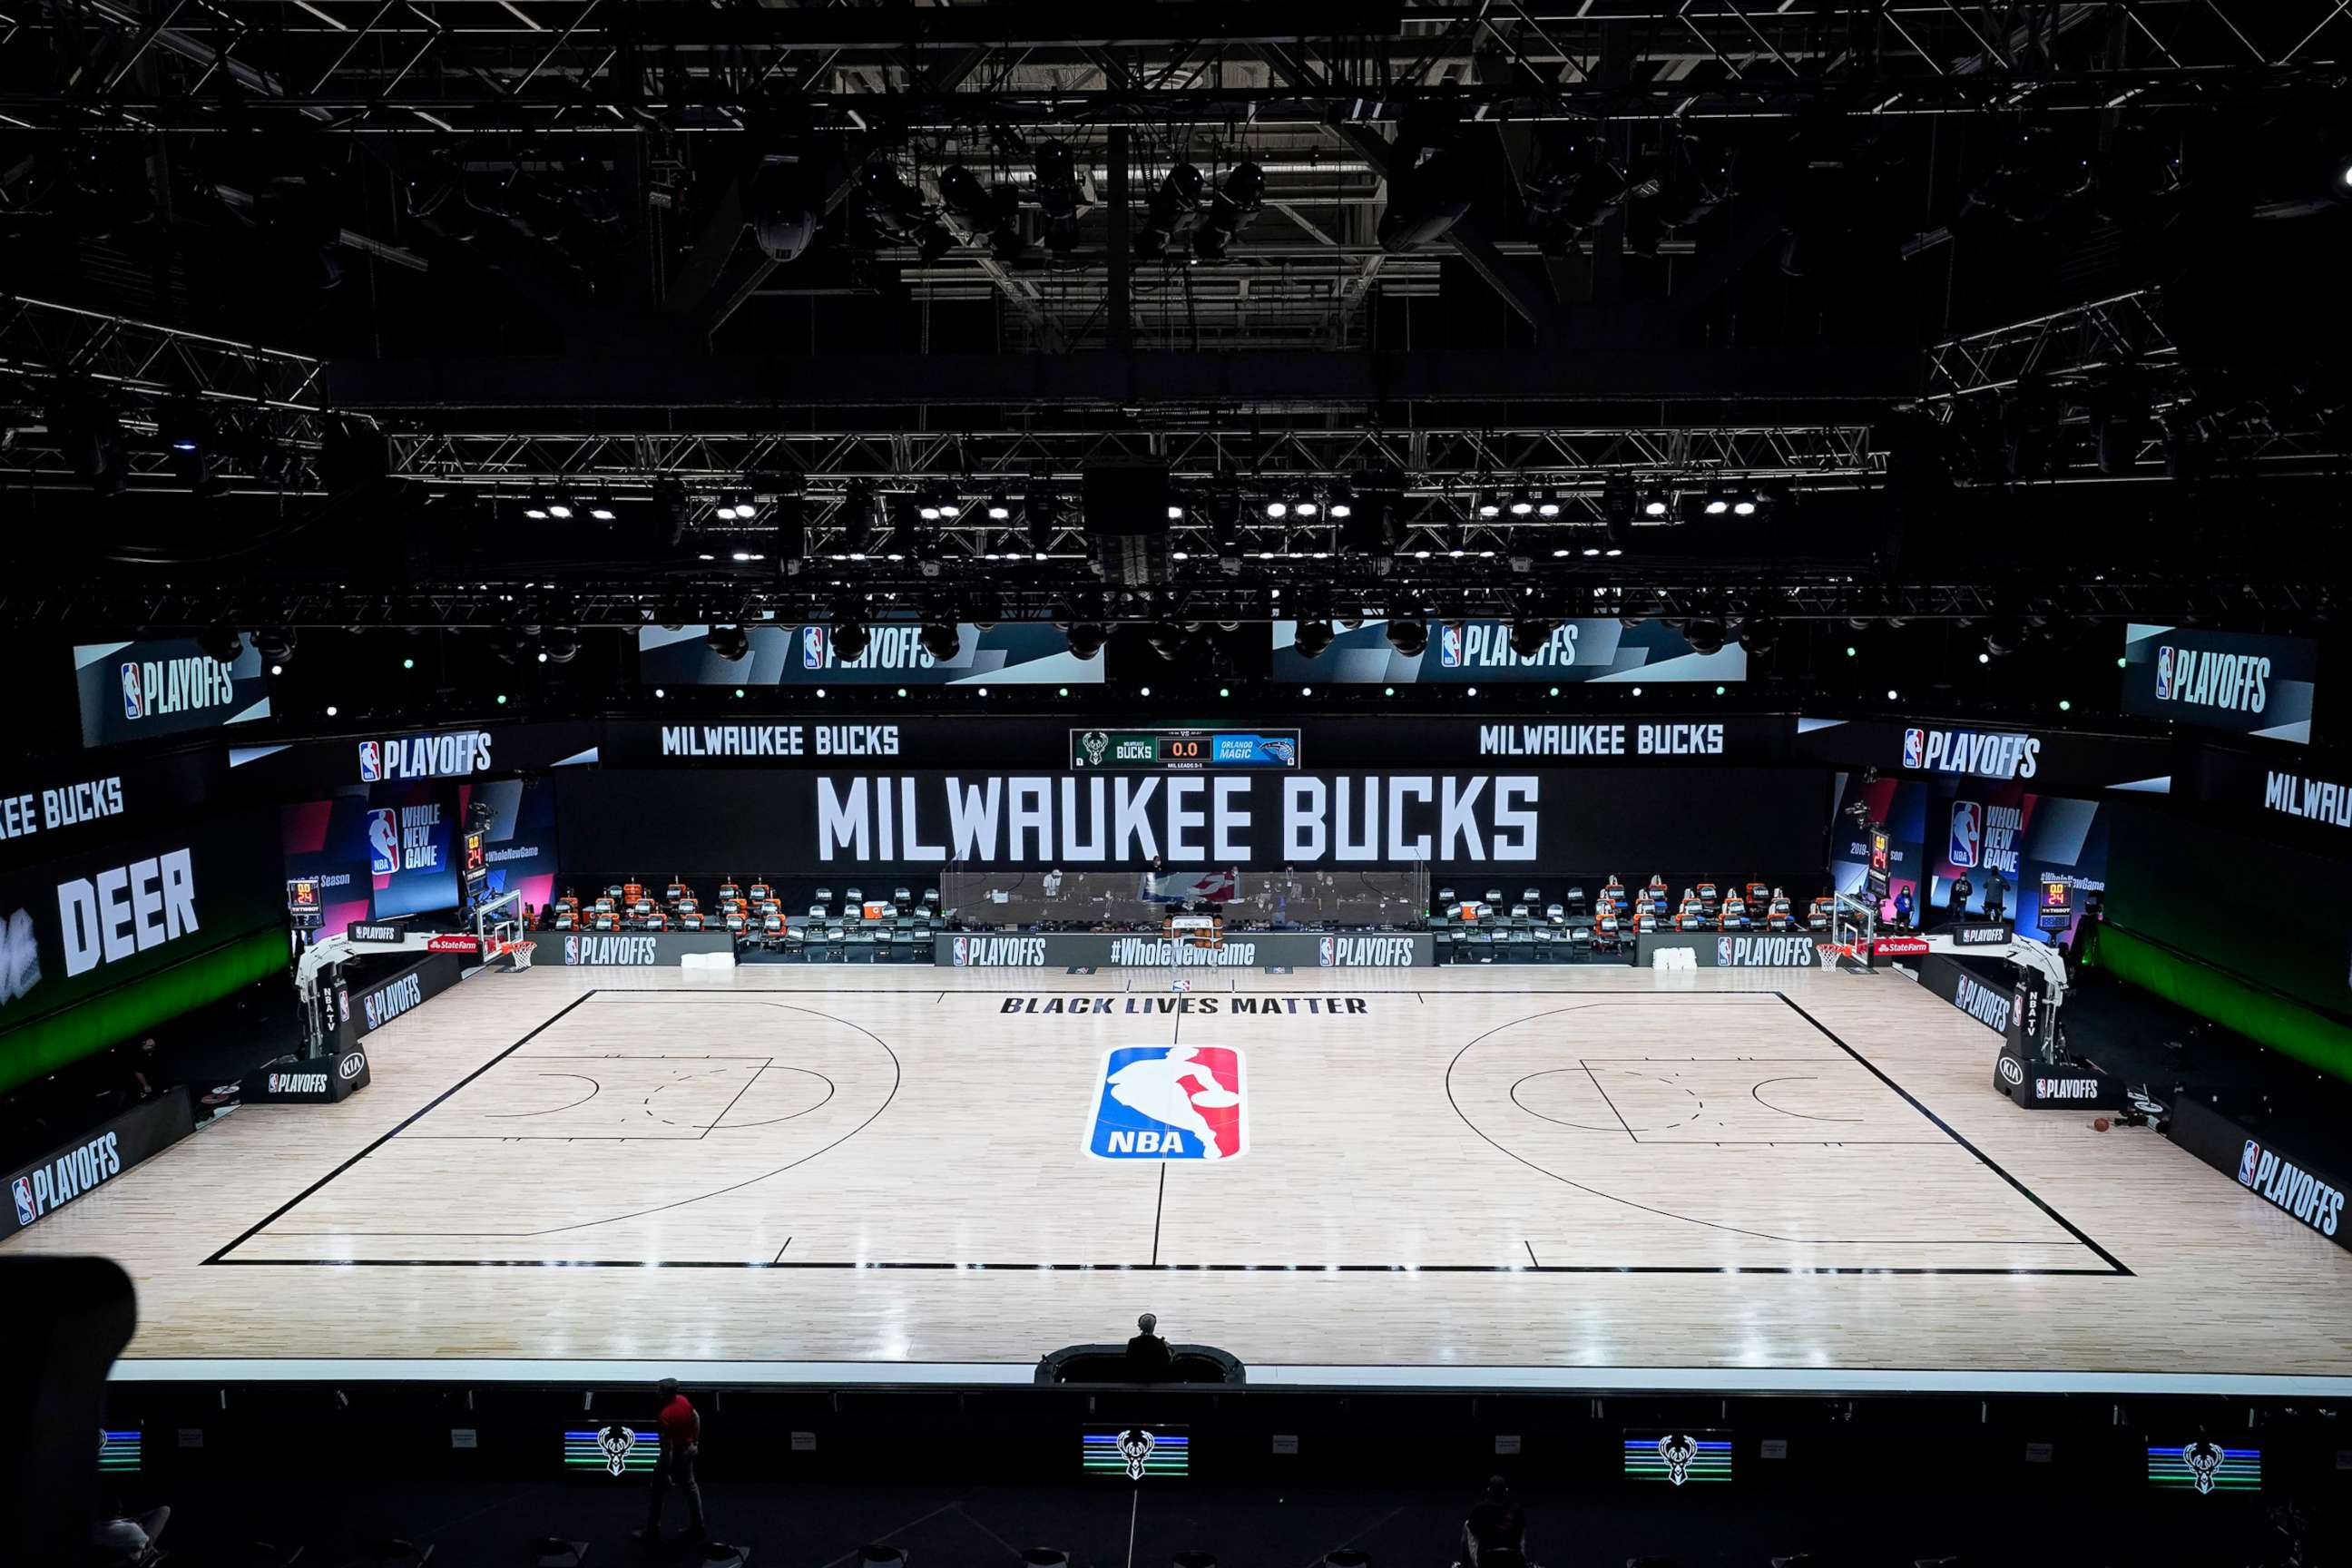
[2036, 1084]
[2237, 681]
[96, 1158]
[1006, 654]
[454, 753]
[320, 1080]
[2045, 759]
[1999, 1007]
[1255, 949]
[137, 690]
[628, 949]
[1753, 950]
[1470, 651]
[379, 1003]
[2280, 1176]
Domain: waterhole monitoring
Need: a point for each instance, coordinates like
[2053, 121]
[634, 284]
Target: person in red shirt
[681, 1442]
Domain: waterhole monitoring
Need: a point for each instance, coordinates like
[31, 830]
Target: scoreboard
[1184, 750]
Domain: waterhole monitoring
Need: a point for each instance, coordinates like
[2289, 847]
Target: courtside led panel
[614, 1450]
[1138, 1453]
[1677, 1458]
[118, 1453]
[2204, 1466]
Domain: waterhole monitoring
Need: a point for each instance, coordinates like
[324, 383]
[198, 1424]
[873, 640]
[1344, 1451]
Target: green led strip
[72, 1033]
[2262, 1015]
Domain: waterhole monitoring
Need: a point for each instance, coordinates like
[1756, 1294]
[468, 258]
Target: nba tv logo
[384, 841]
[2164, 672]
[1449, 645]
[133, 705]
[371, 761]
[1968, 833]
[1914, 748]
[811, 648]
[1170, 1102]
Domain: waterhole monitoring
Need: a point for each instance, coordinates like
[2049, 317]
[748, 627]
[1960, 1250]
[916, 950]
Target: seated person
[1496, 1523]
[1148, 1358]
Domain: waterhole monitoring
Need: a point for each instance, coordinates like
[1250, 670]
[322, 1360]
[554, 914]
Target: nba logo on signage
[1968, 833]
[1170, 1102]
[26, 1214]
[1449, 645]
[571, 949]
[132, 707]
[1327, 952]
[371, 761]
[811, 648]
[383, 842]
[2248, 1160]
[2164, 672]
[962, 951]
[1914, 748]
[1723, 951]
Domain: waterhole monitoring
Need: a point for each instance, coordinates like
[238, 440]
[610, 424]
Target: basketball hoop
[517, 953]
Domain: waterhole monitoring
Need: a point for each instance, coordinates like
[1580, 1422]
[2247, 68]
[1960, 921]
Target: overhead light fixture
[1409, 639]
[942, 640]
[731, 642]
[1530, 637]
[1230, 211]
[1178, 195]
[850, 640]
[557, 509]
[1313, 638]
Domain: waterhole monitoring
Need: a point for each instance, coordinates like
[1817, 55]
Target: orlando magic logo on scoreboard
[1968, 833]
[1170, 1102]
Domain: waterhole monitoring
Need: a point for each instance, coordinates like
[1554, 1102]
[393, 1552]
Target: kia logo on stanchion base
[351, 1066]
[2012, 1071]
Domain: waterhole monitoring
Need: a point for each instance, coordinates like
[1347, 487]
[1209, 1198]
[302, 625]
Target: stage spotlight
[1230, 210]
[1744, 507]
[1528, 637]
[850, 639]
[276, 644]
[999, 508]
[1759, 634]
[788, 530]
[562, 645]
[1716, 505]
[224, 644]
[1087, 638]
[1490, 509]
[1521, 507]
[942, 640]
[730, 643]
[1409, 639]
[786, 205]
[1059, 194]
[1617, 506]
[1277, 510]
[859, 510]
[1655, 506]
[1179, 194]
[1169, 640]
[1705, 634]
[995, 213]
[1314, 637]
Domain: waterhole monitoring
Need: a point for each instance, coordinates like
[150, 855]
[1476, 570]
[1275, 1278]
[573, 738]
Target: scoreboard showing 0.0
[1184, 750]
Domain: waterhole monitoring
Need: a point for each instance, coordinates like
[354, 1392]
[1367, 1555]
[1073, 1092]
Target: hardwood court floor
[1471, 1177]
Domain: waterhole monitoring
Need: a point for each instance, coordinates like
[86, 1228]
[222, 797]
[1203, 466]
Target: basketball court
[1463, 1176]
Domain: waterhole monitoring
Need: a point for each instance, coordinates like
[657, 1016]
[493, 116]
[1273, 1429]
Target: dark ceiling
[1989, 309]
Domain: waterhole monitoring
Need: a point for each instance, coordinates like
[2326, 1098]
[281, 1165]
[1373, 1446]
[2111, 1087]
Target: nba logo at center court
[2164, 672]
[383, 842]
[1968, 833]
[1449, 645]
[811, 648]
[1170, 1102]
[132, 707]
[371, 761]
[1914, 748]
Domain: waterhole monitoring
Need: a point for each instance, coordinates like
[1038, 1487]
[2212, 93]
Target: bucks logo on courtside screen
[1096, 743]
